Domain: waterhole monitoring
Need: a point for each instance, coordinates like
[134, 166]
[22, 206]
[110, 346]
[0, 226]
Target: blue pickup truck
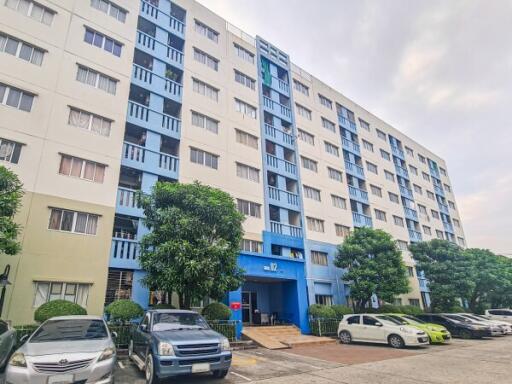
[170, 342]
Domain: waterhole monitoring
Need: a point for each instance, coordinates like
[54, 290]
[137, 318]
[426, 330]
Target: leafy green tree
[123, 311]
[10, 201]
[374, 266]
[194, 241]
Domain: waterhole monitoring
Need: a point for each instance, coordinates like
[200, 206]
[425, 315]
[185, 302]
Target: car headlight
[165, 349]
[18, 360]
[108, 353]
[224, 345]
[405, 330]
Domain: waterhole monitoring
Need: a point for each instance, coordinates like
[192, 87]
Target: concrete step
[281, 337]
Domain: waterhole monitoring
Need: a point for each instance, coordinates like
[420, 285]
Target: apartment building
[117, 95]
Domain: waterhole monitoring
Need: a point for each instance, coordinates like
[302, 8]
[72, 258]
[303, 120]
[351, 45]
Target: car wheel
[220, 374]
[396, 341]
[130, 349]
[465, 334]
[149, 370]
[345, 337]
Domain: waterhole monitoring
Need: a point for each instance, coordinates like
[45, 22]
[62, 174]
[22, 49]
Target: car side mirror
[24, 338]
[378, 324]
[114, 335]
[143, 327]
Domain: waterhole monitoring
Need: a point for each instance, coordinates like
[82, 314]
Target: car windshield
[458, 318]
[67, 330]
[391, 320]
[414, 319]
[399, 319]
[168, 321]
[474, 317]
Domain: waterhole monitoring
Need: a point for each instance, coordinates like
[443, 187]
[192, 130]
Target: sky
[439, 71]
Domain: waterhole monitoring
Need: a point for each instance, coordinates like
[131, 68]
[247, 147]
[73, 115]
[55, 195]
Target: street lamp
[4, 282]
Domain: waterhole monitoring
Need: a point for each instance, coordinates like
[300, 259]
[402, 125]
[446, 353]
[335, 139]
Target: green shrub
[163, 306]
[57, 308]
[411, 310]
[458, 309]
[319, 311]
[389, 308]
[123, 311]
[341, 310]
[216, 311]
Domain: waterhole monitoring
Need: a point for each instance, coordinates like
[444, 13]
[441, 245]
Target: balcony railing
[444, 208]
[153, 161]
[401, 171]
[448, 227]
[414, 235]
[127, 197]
[281, 164]
[347, 124]
[277, 107]
[411, 214]
[285, 229]
[279, 134]
[158, 48]
[361, 220]
[358, 194]
[435, 172]
[351, 146]
[145, 117]
[124, 249]
[354, 169]
[406, 192]
[397, 152]
[153, 12]
[144, 76]
[283, 196]
[282, 85]
[438, 190]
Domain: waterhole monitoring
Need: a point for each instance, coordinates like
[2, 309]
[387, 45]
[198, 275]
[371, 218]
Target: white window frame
[206, 159]
[41, 297]
[89, 217]
[86, 120]
[303, 111]
[245, 80]
[254, 246]
[335, 174]
[104, 38]
[245, 108]
[110, 9]
[243, 53]
[249, 208]
[315, 225]
[36, 54]
[24, 102]
[206, 59]
[338, 201]
[10, 149]
[306, 136]
[205, 89]
[331, 149]
[97, 76]
[309, 164]
[247, 172]
[312, 193]
[341, 230]
[247, 139]
[97, 176]
[206, 31]
[202, 121]
[301, 87]
[45, 16]
[320, 258]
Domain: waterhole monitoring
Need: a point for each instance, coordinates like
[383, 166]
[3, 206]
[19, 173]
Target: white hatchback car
[375, 328]
[499, 314]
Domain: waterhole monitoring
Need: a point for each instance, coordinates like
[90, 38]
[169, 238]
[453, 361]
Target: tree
[374, 264]
[194, 241]
[10, 200]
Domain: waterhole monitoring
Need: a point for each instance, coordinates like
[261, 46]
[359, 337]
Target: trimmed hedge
[341, 310]
[216, 311]
[57, 308]
[318, 311]
[390, 308]
[123, 311]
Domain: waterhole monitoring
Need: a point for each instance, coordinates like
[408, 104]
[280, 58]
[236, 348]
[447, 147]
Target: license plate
[61, 379]
[201, 367]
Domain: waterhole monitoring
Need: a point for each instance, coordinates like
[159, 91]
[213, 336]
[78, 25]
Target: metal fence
[324, 327]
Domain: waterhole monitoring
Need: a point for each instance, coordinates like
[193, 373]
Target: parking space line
[121, 365]
[239, 375]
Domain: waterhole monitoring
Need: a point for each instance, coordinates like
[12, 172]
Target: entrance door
[249, 304]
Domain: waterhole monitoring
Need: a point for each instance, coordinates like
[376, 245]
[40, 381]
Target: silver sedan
[64, 350]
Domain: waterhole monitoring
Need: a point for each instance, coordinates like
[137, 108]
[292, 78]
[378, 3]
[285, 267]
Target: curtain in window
[37, 12]
[99, 174]
[89, 170]
[91, 78]
[13, 98]
[37, 57]
[76, 167]
[105, 128]
[103, 83]
[65, 165]
[47, 17]
[70, 292]
[11, 4]
[74, 117]
[96, 124]
[55, 291]
[26, 102]
[81, 222]
[55, 219]
[12, 46]
[82, 295]
[81, 75]
[112, 87]
[92, 224]
[41, 296]
[25, 52]
[67, 221]
[84, 120]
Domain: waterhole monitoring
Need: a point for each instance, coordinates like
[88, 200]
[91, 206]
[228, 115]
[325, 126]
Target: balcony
[410, 214]
[124, 253]
[159, 84]
[280, 86]
[406, 192]
[448, 227]
[279, 136]
[281, 166]
[354, 169]
[152, 13]
[414, 235]
[361, 220]
[438, 190]
[127, 203]
[401, 171]
[397, 152]
[277, 109]
[358, 194]
[351, 146]
[162, 51]
[285, 229]
[347, 124]
[444, 208]
[435, 172]
[138, 157]
[283, 196]
[158, 122]
[423, 283]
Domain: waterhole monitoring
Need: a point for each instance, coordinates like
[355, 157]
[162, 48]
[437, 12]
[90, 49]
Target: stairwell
[282, 336]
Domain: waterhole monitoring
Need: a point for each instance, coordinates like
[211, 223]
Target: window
[312, 165]
[364, 125]
[243, 53]
[422, 159]
[447, 187]
[10, 151]
[409, 151]
[451, 204]
[462, 243]
[380, 134]
[354, 320]
[335, 174]
[427, 230]
[413, 170]
[246, 172]
[327, 124]
[251, 246]
[371, 321]
[306, 137]
[443, 171]
[301, 87]
[376, 190]
[342, 230]
[91, 122]
[95, 79]
[323, 300]
[312, 193]
[15, 97]
[245, 80]
[206, 59]
[371, 167]
[435, 214]
[206, 31]
[204, 158]
[380, 215]
[119, 285]
[319, 258]
[430, 195]
[367, 145]
[325, 101]
[425, 176]
[422, 209]
[398, 221]
[402, 245]
[414, 302]
[332, 149]
[246, 139]
[389, 176]
[245, 109]
[205, 122]
[315, 225]
[439, 234]
[20, 49]
[303, 111]
[204, 89]
[83, 169]
[385, 155]
[110, 9]
[46, 291]
[32, 9]
[456, 223]
[248, 208]
[72, 221]
[417, 189]
[339, 202]
[101, 41]
[393, 197]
